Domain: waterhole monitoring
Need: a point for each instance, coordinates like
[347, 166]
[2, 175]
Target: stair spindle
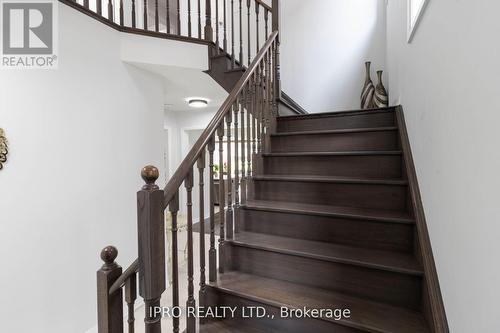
[98, 7]
[121, 13]
[258, 113]
[189, 18]
[173, 208]
[133, 14]
[241, 34]
[199, 19]
[145, 15]
[262, 106]
[266, 19]
[257, 12]
[86, 3]
[191, 302]
[130, 297]
[217, 39]
[254, 114]
[212, 253]
[110, 10]
[236, 109]
[229, 214]
[249, 44]
[243, 145]
[178, 18]
[232, 36]
[277, 74]
[157, 18]
[222, 196]
[201, 170]
[209, 31]
[249, 133]
[224, 42]
[167, 16]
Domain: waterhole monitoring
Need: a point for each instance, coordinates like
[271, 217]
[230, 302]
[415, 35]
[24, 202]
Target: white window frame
[420, 11]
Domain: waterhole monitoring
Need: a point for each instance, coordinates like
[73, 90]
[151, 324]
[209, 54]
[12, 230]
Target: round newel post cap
[150, 174]
[109, 254]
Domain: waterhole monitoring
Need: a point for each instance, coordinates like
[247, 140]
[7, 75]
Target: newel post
[151, 246]
[109, 307]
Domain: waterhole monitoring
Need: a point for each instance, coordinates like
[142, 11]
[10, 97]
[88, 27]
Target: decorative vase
[4, 148]
[381, 98]
[368, 90]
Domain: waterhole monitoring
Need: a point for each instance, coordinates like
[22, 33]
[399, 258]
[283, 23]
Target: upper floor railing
[237, 27]
[238, 134]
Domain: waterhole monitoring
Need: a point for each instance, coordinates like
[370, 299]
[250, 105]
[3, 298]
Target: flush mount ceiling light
[197, 102]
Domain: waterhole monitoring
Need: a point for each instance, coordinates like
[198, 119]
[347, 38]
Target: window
[415, 10]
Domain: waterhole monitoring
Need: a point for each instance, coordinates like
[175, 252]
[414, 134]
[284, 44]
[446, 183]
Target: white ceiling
[181, 83]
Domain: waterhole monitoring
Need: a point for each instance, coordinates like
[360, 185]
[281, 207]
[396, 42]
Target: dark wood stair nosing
[345, 113]
[327, 179]
[352, 262]
[360, 217]
[337, 131]
[337, 153]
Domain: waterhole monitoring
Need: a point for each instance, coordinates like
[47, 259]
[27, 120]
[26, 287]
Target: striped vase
[368, 90]
[381, 98]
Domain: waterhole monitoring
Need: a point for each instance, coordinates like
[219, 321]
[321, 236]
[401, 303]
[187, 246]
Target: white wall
[185, 128]
[78, 139]
[448, 82]
[324, 47]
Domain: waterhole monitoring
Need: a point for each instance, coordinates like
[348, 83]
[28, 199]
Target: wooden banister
[151, 246]
[127, 20]
[109, 306]
[181, 172]
[247, 117]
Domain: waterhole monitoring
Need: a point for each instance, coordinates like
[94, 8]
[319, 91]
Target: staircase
[321, 223]
[328, 227]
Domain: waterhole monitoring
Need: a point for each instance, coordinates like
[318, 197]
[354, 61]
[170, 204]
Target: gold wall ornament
[4, 148]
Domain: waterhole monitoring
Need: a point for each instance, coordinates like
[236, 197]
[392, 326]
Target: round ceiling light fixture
[198, 103]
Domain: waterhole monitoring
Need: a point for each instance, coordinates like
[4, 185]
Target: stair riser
[328, 142]
[369, 166]
[379, 196]
[375, 119]
[221, 64]
[385, 286]
[217, 297]
[367, 234]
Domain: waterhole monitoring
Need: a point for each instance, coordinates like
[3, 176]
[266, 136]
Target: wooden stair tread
[330, 179]
[336, 153]
[365, 315]
[337, 131]
[327, 210]
[221, 326]
[337, 113]
[384, 260]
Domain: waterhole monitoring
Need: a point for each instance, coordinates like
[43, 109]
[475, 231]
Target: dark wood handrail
[120, 282]
[182, 171]
[266, 6]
